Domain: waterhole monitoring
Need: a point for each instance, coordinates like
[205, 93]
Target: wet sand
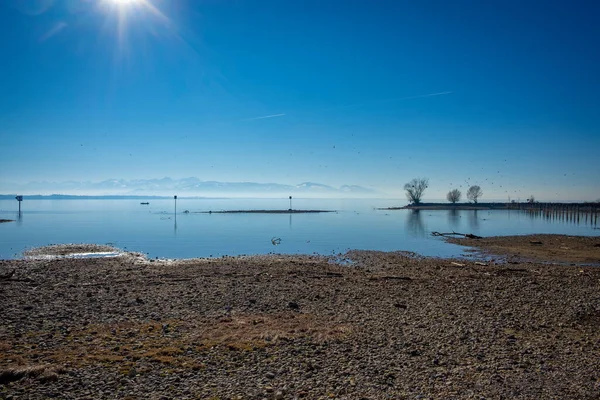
[380, 326]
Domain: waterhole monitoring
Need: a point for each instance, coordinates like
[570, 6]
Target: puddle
[107, 254]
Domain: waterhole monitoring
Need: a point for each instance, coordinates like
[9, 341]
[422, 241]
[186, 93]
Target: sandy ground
[379, 326]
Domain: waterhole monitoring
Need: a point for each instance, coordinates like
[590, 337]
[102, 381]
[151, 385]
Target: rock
[270, 375]
[293, 305]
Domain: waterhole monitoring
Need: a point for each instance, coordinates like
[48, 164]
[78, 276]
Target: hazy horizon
[194, 187]
[501, 94]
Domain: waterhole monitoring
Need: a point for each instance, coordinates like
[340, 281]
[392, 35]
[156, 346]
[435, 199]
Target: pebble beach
[372, 325]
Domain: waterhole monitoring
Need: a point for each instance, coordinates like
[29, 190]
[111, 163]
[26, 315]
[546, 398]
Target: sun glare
[125, 2]
[126, 12]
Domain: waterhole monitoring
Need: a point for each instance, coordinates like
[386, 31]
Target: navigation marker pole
[19, 199]
[175, 215]
[290, 203]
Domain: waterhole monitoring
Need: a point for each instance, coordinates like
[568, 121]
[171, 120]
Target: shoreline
[547, 248]
[387, 325]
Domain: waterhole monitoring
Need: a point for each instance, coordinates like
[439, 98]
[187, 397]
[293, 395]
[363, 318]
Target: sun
[125, 2]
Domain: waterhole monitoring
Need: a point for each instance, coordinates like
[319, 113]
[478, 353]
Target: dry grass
[4, 346]
[176, 343]
[245, 330]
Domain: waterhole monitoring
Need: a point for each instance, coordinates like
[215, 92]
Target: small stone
[270, 375]
[293, 305]
[279, 395]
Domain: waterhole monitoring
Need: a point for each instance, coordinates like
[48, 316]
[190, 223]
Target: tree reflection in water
[473, 220]
[453, 218]
[414, 223]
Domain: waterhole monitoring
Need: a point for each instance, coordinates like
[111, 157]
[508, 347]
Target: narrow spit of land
[446, 207]
[263, 212]
[6, 220]
[387, 325]
[593, 208]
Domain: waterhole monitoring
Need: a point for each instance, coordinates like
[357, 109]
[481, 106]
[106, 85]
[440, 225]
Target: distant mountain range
[188, 187]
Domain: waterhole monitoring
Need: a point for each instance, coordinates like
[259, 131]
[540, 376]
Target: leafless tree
[415, 188]
[453, 196]
[474, 193]
[531, 199]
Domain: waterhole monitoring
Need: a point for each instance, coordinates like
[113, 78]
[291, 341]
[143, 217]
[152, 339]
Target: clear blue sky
[372, 93]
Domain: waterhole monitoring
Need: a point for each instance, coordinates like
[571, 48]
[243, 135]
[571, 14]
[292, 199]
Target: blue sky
[373, 93]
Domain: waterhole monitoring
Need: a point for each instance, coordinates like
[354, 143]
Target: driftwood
[7, 276]
[467, 235]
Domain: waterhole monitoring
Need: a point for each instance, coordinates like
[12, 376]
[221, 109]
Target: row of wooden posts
[578, 213]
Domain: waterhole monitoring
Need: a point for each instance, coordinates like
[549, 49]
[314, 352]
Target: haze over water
[156, 231]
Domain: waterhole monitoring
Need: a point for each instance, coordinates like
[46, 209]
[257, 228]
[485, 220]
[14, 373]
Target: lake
[155, 229]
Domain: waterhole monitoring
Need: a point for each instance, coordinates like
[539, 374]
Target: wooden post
[19, 199]
[175, 198]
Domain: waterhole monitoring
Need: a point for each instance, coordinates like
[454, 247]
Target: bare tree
[453, 196]
[415, 188]
[531, 199]
[474, 193]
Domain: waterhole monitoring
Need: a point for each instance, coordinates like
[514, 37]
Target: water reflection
[414, 223]
[566, 214]
[453, 218]
[359, 226]
[473, 220]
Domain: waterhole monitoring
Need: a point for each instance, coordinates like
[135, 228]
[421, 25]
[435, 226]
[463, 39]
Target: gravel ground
[544, 248]
[383, 326]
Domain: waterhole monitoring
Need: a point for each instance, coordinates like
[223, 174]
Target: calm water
[154, 229]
